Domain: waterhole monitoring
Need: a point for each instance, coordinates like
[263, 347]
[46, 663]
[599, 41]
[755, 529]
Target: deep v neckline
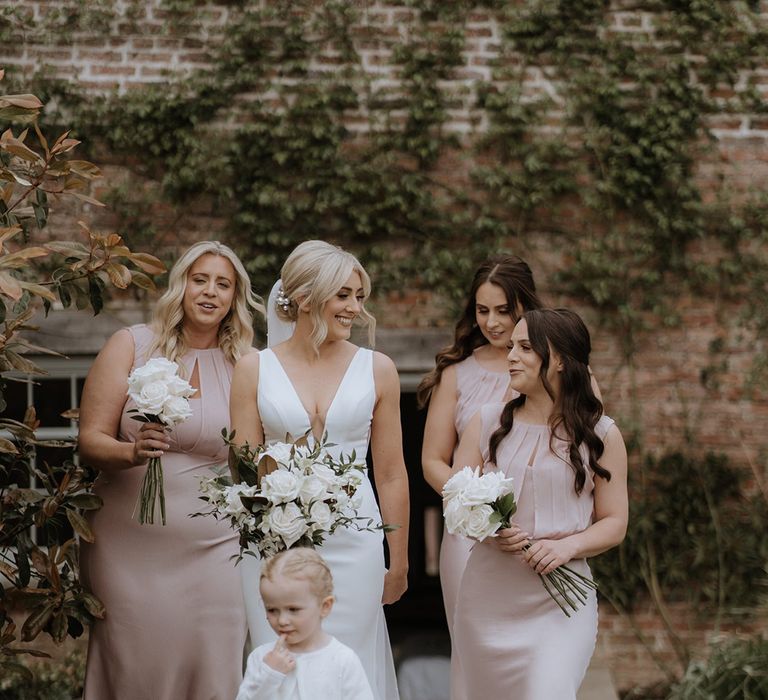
[301, 403]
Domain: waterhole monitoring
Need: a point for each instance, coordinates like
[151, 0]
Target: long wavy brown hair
[576, 409]
[515, 278]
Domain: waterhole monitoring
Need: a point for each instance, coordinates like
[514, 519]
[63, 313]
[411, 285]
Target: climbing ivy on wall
[610, 182]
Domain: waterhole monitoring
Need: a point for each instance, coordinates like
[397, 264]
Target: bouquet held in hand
[161, 396]
[478, 505]
[289, 494]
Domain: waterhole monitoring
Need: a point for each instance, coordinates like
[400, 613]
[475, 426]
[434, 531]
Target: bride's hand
[511, 539]
[395, 584]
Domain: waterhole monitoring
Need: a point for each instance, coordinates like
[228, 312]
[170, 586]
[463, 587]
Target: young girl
[305, 662]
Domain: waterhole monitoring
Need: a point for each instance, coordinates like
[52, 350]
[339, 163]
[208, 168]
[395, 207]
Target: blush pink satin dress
[475, 387]
[512, 638]
[175, 624]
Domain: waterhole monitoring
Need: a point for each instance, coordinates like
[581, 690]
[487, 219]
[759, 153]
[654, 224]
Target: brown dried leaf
[148, 263]
[80, 525]
[119, 274]
[25, 101]
[10, 286]
[8, 447]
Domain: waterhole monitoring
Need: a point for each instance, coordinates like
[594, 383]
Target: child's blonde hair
[301, 563]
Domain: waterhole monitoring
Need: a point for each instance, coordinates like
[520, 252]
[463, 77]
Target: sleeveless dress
[476, 386]
[512, 638]
[356, 559]
[175, 620]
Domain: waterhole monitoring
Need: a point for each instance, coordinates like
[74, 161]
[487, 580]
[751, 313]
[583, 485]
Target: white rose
[459, 481]
[179, 387]
[326, 475]
[312, 489]
[320, 514]
[479, 490]
[233, 504]
[287, 522]
[176, 409]
[156, 369]
[281, 486]
[280, 452]
[456, 516]
[478, 524]
[151, 397]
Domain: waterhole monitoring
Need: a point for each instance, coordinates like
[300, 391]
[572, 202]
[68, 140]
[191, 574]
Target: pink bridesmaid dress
[175, 623]
[512, 638]
[476, 386]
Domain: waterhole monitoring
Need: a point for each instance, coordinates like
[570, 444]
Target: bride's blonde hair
[235, 331]
[314, 273]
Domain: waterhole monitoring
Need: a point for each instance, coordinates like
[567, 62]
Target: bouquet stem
[151, 492]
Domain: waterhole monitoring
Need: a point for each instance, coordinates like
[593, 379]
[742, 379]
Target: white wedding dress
[356, 559]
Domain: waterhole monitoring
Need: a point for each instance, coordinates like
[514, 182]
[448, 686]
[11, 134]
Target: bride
[315, 379]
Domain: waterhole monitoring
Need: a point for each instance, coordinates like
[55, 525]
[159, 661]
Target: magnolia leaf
[93, 605]
[17, 148]
[96, 294]
[18, 258]
[9, 232]
[23, 101]
[71, 413]
[35, 623]
[10, 286]
[38, 290]
[85, 501]
[68, 248]
[119, 274]
[39, 560]
[8, 571]
[84, 168]
[58, 627]
[21, 180]
[148, 263]
[6, 193]
[86, 198]
[22, 363]
[142, 281]
[42, 139]
[267, 465]
[80, 525]
[8, 447]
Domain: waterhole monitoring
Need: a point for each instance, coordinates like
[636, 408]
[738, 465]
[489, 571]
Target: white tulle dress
[356, 559]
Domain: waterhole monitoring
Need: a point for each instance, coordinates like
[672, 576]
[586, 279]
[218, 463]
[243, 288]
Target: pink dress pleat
[175, 624]
[511, 637]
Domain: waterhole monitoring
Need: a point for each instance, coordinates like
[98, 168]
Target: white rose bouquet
[161, 396]
[290, 494]
[478, 505]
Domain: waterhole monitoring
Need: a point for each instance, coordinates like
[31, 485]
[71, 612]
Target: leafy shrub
[736, 669]
[60, 681]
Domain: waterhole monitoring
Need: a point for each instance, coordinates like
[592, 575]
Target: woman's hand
[511, 539]
[151, 441]
[279, 658]
[395, 584]
[544, 556]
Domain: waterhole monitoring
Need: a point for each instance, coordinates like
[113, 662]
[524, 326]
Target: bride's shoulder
[383, 367]
[248, 362]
